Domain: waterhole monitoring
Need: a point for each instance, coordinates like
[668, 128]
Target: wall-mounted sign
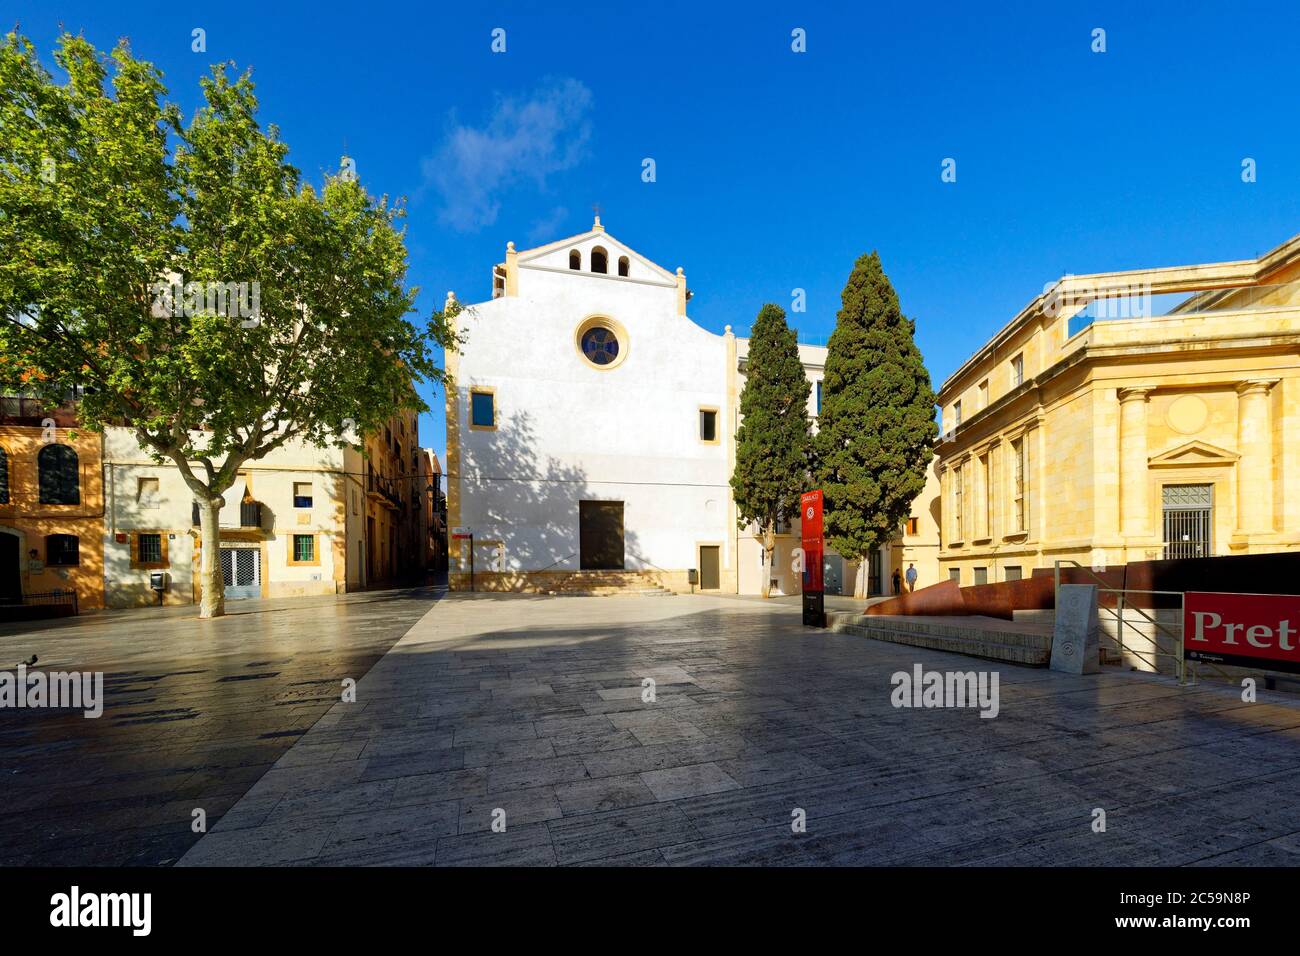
[462, 533]
[810, 521]
[1247, 630]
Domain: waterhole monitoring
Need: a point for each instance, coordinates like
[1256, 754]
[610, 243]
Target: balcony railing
[1145, 303]
[385, 489]
[19, 410]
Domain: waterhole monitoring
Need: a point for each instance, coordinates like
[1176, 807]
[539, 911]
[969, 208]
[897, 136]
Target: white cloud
[525, 139]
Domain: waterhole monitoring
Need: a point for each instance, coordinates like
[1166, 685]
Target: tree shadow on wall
[528, 501]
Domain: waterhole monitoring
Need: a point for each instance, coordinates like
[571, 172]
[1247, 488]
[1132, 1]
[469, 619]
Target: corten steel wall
[989, 600]
[1245, 574]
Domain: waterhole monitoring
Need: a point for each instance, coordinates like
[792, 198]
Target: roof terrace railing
[1142, 303]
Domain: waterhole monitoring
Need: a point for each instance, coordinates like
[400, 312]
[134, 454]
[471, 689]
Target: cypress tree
[773, 440]
[876, 431]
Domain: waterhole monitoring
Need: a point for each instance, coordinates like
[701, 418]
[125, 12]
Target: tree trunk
[860, 579]
[769, 558]
[212, 602]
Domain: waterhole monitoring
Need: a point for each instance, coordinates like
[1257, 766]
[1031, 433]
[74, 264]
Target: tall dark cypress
[876, 432]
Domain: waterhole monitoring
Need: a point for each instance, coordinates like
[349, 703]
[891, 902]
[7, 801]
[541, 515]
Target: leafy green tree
[876, 431]
[183, 281]
[772, 442]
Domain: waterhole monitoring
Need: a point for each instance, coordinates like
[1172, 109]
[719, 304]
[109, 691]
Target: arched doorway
[11, 577]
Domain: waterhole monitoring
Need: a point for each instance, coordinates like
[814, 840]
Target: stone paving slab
[196, 713]
[532, 706]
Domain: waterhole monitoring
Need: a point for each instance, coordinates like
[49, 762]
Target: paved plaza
[196, 712]
[528, 711]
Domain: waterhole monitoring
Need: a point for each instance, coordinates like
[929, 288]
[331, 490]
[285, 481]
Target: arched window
[599, 260]
[4, 477]
[622, 266]
[575, 259]
[60, 478]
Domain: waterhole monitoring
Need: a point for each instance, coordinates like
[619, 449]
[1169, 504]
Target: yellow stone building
[1128, 416]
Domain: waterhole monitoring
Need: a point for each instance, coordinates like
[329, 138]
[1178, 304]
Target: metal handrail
[1180, 664]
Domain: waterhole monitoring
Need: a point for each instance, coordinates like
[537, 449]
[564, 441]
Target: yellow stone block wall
[1125, 407]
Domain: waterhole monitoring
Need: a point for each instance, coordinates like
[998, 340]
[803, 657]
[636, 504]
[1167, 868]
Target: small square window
[482, 410]
[1014, 573]
[984, 394]
[981, 576]
[955, 575]
[913, 525]
[1018, 370]
[302, 494]
[62, 550]
[819, 398]
[708, 425]
[304, 548]
[149, 549]
[956, 413]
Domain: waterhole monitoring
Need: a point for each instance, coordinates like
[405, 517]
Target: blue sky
[775, 170]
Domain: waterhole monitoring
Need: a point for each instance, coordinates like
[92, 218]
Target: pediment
[1193, 453]
[554, 254]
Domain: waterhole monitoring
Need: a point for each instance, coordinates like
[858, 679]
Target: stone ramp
[1016, 642]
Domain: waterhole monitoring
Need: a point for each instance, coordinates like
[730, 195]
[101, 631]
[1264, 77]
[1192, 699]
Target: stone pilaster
[1255, 467]
[1134, 504]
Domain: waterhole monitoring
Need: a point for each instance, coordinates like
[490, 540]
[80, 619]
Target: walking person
[911, 576]
[898, 580]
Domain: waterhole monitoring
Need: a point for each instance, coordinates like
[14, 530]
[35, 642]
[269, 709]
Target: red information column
[814, 601]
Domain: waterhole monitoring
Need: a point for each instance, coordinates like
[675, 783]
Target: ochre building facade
[1128, 416]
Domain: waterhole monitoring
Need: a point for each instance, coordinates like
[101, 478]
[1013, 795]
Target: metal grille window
[304, 547]
[1188, 520]
[62, 549]
[4, 477]
[149, 549]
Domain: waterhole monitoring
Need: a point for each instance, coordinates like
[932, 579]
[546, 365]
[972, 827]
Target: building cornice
[1078, 289]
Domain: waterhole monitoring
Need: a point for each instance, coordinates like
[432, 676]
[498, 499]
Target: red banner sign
[1248, 630]
[810, 512]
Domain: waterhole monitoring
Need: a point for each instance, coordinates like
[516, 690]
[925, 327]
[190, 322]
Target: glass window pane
[483, 409]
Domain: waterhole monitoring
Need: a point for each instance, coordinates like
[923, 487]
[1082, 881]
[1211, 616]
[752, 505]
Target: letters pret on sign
[1248, 630]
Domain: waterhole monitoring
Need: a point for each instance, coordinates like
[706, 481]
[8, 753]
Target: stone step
[612, 592]
[1015, 645]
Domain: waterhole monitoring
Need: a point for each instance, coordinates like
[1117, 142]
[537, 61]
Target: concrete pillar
[1134, 505]
[1255, 466]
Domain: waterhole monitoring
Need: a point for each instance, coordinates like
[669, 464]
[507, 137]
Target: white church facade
[591, 433]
